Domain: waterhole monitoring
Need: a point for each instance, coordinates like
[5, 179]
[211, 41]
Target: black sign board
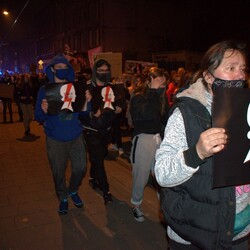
[66, 97]
[231, 110]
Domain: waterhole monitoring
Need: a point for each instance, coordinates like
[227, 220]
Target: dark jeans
[20, 112]
[58, 154]
[97, 149]
[116, 131]
[7, 103]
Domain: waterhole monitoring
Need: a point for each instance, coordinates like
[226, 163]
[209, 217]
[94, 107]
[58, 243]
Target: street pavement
[28, 205]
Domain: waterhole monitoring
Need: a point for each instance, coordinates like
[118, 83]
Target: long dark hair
[214, 56]
[150, 73]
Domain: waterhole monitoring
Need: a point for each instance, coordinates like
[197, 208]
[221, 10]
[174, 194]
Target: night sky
[211, 21]
[18, 10]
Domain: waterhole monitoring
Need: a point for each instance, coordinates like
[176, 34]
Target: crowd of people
[169, 115]
[21, 90]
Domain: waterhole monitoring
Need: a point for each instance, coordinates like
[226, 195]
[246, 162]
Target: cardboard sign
[91, 53]
[137, 67]
[6, 90]
[231, 110]
[66, 97]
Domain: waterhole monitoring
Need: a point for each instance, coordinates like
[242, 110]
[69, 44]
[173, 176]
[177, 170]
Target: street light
[4, 18]
[5, 12]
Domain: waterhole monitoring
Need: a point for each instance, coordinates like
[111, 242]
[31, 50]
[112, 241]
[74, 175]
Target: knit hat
[60, 59]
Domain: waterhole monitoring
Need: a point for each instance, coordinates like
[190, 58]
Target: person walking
[199, 216]
[25, 97]
[7, 101]
[64, 138]
[16, 81]
[149, 112]
[97, 126]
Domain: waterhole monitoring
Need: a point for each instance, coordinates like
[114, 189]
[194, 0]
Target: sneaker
[138, 214]
[107, 198]
[63, 207]
[121, 151]
[93, 183]
[112, 147]
[76, 199]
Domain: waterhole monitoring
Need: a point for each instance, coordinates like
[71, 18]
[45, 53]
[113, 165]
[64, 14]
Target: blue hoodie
[60, 127]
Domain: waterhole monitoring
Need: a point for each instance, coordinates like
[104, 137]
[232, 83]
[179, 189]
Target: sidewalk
[28, 205]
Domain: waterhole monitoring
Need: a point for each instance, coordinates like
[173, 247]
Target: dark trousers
[58, 154]
[7, 103]
[97, 149]
[20, 112]
[116, 131]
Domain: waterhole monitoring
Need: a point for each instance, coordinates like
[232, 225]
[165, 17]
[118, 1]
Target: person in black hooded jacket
[98, 125]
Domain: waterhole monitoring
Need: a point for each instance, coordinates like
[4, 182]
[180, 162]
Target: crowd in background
[24, 89]
[26, 86]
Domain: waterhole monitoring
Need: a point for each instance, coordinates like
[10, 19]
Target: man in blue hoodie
[64, 137]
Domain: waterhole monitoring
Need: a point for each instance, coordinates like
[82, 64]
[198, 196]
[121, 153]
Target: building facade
[137, 29]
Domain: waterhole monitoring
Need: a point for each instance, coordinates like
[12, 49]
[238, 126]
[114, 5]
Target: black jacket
[146, 112]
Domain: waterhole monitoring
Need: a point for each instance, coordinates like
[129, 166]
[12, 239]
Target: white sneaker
[138, 214]
[121, 151]
[112, 147]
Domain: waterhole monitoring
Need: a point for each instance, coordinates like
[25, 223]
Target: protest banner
[65, 98]
[231, 110]
[6, 90]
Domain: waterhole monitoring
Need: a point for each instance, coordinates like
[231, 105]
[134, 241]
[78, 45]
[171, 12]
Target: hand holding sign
[45, 106]
[210, 142]
[66, 97]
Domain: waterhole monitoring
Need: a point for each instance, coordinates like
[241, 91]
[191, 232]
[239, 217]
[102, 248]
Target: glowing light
[6, 13]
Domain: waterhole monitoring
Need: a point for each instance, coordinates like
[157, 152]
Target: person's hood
[98, 64]
[196, 91]
[59, 59]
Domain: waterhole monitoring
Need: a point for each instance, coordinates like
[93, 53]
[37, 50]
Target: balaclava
[103, 77]
[67, 74]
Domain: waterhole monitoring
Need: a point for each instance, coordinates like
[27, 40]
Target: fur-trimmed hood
[196, 91]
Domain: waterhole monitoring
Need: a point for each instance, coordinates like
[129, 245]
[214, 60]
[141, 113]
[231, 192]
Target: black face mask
[103, 77]
[160, 90]
[220, 83]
